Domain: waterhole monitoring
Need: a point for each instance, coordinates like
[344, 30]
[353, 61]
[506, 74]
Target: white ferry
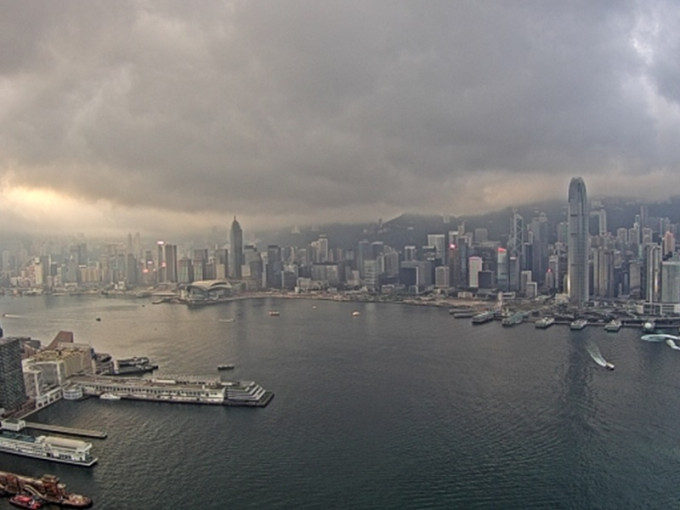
[613, 326]
[578, 324]
[544, 322]
[56, 449]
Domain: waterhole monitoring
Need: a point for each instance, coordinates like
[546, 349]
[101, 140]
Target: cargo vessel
[56, 449]
[47, 488]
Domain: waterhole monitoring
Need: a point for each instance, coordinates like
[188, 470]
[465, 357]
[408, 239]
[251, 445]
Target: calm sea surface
[401, 407]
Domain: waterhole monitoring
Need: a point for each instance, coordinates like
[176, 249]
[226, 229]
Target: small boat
[109, 396]
[649, 327]
[274, 313]
[578, 324]
[462, 314]
[609, 366]
[25, 501]
[355, 314]
[225, 366]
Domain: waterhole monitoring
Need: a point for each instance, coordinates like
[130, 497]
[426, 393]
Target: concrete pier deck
[71, 431]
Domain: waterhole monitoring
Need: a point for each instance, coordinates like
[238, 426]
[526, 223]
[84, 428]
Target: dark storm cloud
[335, 109]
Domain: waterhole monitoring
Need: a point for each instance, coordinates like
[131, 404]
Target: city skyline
[166, 117]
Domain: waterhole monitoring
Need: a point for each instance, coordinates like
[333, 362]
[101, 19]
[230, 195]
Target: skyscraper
[578, 243]
[236, 251]
[12, 390]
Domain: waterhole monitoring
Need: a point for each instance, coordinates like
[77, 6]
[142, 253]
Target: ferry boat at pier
[135, 365]
[513, 320]
[56, 449]
[613, 326]
[578, 324]
[179, 389]
[544, 322]
[483, 317]
[47, 489]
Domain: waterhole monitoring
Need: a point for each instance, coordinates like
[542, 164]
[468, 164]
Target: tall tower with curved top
[578, 243]
[236, 250]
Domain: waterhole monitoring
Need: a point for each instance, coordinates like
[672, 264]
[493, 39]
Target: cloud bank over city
[175, 116]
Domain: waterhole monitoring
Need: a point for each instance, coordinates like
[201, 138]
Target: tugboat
[25, 501]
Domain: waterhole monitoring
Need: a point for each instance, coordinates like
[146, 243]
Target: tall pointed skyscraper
[236, 250]
[578, 243]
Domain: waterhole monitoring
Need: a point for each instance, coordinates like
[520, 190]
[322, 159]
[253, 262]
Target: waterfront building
[652, 283]
[668, 244]
[670, 281]
[539, 247]
[578, 289]
[274, 267]
[502, 275]
[439, 243]
[475, 265]
[12, 388]
[171, 263]
[442, 277]
[236, 251]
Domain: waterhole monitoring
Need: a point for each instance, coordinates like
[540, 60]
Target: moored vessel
[544, 322]
[24, 501]
[109, 396]
[649, 326]
[578, 324]
[483, 317]
[513, 320]
[56, 449]
[47, 489]
[613, 326]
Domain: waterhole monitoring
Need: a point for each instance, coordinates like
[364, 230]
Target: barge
[47, 488]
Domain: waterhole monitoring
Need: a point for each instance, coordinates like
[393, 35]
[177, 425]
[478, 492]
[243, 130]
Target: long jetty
[71, 431]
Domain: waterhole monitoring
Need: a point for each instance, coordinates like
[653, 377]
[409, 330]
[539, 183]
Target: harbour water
[398, 407]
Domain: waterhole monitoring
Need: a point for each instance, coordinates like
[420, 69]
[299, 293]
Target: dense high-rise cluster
[574, 255]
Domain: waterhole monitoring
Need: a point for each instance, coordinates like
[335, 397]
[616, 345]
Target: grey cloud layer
[320, 108]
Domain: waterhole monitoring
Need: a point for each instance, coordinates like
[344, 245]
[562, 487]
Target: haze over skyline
[171, 117]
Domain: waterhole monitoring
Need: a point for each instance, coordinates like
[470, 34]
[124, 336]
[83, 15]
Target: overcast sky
[169, 116]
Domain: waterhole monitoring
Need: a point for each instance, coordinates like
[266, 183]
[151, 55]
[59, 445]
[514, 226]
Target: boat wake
[670, 343]
[660, 337]
[595, 353]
